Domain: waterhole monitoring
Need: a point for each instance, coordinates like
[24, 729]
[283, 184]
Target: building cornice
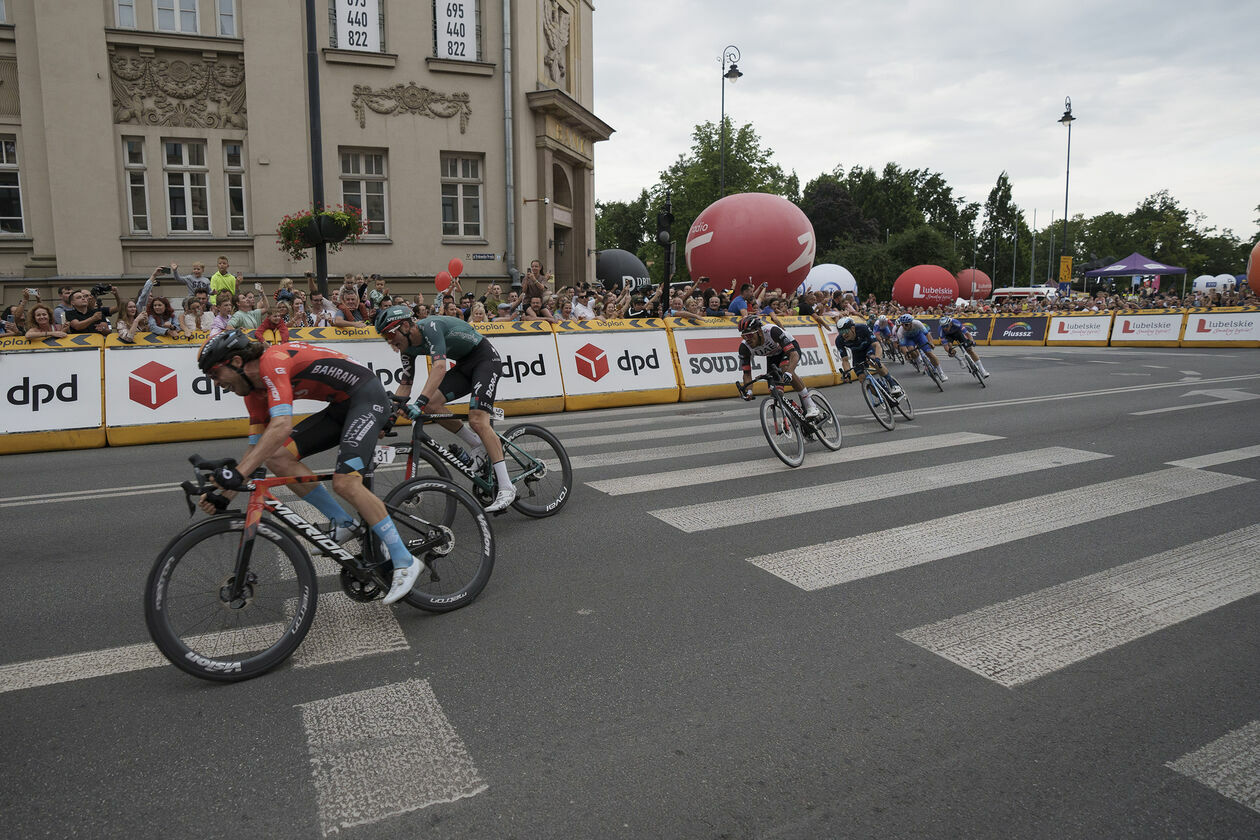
[560, 106]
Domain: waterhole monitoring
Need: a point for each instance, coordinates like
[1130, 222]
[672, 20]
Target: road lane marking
[682, 450]
[1223, 397]
[382, 752]
[1230, 765]
[706, 516]
[1214, 459]
[745, 469]
[854, 558]
[1025, 638]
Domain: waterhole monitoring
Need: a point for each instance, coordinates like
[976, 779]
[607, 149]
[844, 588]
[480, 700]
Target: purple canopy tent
[1135, 263]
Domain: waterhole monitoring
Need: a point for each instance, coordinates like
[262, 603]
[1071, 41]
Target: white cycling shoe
[404, 579]
[503, 499]
[813, 413]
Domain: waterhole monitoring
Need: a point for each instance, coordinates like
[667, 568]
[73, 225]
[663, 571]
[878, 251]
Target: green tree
[1005, 240]
[888, 199]
[834, 214]
[622, 224]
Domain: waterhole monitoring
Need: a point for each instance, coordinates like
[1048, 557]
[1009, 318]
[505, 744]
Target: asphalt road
[1014, 616]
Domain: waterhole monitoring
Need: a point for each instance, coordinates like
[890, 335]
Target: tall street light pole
[730, 54]
[1067, 119]
[317, 140]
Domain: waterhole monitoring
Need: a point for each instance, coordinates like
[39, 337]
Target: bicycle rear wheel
[201, 629]
[878, 405]
[783, 432]
[443, 526]
[539, 467]
[827, 426]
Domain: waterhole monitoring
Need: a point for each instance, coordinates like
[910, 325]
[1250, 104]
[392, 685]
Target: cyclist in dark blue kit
[862, 343]
[954, 331]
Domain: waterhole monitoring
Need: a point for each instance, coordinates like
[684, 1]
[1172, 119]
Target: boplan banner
[1020, 329]
[622, 362]
[50, 385]
[1222, 329]
[1147, 329]
[1080, 330]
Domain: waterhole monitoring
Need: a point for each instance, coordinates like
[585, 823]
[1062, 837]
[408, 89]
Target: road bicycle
[784, 422]
[969, 364]
[536, 462]
[232, 596]
[924, 365]
[892, 352]
[877, 391]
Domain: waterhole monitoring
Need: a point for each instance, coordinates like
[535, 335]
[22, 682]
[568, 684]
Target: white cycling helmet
[945, 321]
[905, 319]
[844, 324]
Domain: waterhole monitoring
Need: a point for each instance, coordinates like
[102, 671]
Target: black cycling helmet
[219, 348]
[749, 324]
[391, 316]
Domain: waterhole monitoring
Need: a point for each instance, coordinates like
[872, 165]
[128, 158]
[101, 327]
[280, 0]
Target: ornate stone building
[134, 133]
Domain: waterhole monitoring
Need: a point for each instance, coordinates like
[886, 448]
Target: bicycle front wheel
[202, 627]
[827, 426]
[783, 432]
[975, 371]
[903, 402]
[934, 373]
[878, 405]
[443, 526]
[539, 467]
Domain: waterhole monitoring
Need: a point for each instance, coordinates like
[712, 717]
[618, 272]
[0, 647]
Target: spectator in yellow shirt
[222, 280]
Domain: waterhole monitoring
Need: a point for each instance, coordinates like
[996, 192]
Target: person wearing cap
[505, 312]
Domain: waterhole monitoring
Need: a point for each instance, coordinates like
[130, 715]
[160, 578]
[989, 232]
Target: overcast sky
[1166, 95]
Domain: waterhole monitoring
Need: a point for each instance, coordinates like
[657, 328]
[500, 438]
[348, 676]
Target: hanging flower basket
[334, 226]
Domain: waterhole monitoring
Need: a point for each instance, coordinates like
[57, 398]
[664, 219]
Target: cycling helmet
[881, 320]
[844, 324]
[391, 316]
[221, 347]
[749, 324]
[906, 319]
[946, 321]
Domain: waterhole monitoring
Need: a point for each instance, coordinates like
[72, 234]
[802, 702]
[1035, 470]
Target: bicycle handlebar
[204, 486]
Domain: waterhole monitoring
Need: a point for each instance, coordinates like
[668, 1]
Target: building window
[363, 184]
[461, 195]
[187, 199]
[234, 174]
[137, 186]
[10, 187]
[457, 29]
[176, 15]
[227, 18]
[124, 14]
[4, 15]
[334, 41]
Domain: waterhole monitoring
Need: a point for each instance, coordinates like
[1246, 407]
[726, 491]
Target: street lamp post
[731, 54]
[1067, 119]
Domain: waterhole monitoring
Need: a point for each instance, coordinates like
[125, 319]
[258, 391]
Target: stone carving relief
[178, 89]
[556, 22]
[411, 99]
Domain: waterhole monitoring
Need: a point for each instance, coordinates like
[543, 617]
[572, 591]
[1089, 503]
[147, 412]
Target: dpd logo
[40, 393]
[152, 385]
[591, 362]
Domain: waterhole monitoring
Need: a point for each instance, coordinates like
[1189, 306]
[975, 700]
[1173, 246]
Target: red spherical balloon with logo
[751, 238]
[1253, 268]
[974, 284]
[925, 285]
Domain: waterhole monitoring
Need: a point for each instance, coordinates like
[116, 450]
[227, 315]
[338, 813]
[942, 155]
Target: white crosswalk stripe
[746, 469]
[704, 516]
[1230, 765]
[1020, 640]
[682, 450]
[840, 561]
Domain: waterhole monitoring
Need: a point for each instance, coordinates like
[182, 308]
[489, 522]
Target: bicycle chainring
[359, 590]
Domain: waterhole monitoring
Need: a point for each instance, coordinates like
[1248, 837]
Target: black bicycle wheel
[421, 463]
[443, 526]
[783, 432]
[934, 374]
[539, 467]
[828, 425]
[200, 629]
[902, 402]
[975, 371]
[877, 404]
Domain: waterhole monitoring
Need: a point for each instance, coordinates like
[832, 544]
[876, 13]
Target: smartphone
[162, 269]
[258, 286]
[32, 293]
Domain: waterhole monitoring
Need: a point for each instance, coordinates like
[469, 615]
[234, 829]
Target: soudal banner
[1155, 329]
[1222, 329]
[1079, 330]
[710, 356]
[1025, 329]
[600, 358]
[54, 388]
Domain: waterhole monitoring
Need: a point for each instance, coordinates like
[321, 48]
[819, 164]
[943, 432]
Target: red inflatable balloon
[442, 281]
[925, 285]
[1253, 268]
[455, 266]
[751, 238]
[974, 284]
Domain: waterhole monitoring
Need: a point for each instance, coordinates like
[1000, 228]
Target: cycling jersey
[914, 335]
[957, 332]
[442, 337]
[861, 342]
[775, 344]
[883, 330]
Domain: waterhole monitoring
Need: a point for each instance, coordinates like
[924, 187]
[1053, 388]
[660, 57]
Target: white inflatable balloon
[829, 277]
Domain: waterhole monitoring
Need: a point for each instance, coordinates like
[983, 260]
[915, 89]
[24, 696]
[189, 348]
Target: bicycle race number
[359, 25]
[456, 29]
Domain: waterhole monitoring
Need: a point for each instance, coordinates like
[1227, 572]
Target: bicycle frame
[483, 483]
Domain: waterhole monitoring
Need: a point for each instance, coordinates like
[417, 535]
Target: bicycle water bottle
[462, 456]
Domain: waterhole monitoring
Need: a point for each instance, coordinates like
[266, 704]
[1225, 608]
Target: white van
[1018, 293]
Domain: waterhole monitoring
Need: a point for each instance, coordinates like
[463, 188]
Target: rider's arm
[272, 438]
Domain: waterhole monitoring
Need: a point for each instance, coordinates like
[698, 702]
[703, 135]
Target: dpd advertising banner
[607, 363]
[50, 387]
